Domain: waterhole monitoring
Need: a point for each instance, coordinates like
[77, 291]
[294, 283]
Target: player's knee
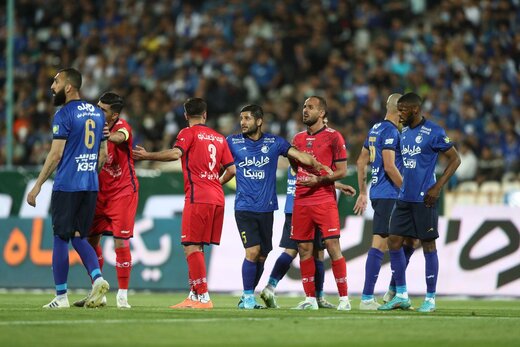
[253, 253]
[428, 246]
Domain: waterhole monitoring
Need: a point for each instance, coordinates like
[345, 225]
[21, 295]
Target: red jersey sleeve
[227, 157]
[339, 148]
[184, 140]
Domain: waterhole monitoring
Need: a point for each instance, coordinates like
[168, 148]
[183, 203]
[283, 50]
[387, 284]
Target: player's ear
[259, 122]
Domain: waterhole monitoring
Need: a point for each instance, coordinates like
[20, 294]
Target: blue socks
[372, 268]
[282, 265]
[60, 264]
[408, 251]
[398, 264]
[319, 277]
[88, 256]
[259, 271]
[248, 275]
[432, 272]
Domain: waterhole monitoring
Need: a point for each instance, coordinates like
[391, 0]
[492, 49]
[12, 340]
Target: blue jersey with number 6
[383, 135]
[81, 125]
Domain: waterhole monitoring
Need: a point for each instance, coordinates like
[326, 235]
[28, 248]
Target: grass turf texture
[151, 323]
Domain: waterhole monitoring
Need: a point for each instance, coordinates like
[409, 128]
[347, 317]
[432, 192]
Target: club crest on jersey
[264, 149]
[309, 144]
[418, 139]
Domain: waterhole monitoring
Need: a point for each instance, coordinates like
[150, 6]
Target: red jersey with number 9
[328, 147]
[204, 152]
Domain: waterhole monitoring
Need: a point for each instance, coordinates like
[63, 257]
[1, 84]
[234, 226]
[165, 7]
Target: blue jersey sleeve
[390, 139]
[283, 145]
[365, 144]
[61, 125]
[441, 142]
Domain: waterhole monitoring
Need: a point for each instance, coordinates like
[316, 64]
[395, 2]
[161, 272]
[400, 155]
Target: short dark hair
[410, 99]
[115, 101]
[195, 107]
[256, 111]
[322, 102]
[73, 76]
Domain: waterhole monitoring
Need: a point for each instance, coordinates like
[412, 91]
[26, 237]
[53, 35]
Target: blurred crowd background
[462, 56]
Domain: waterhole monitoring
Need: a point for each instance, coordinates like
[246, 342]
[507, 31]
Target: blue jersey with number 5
[256, 163]
[81, 125]
[383, 135]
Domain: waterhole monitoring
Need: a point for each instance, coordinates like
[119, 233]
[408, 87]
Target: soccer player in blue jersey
[381, 151]
[78, 151]
[256, 158]
[415, 214]
[283, 263]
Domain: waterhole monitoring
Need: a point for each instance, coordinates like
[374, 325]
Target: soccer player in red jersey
[315, 201]
[116, 204]
[203, 152]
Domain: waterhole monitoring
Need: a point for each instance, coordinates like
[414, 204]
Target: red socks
[197, 272]
[308, 269]
[99, 253]
[339, 269]
[123, 266]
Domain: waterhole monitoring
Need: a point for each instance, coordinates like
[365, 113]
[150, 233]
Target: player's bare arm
[362, 200]
[51, 162]
[119, 136]
[313, 180]
[390, 168]
[139, 153]
[228, 174]
[103, 154]
[307, 159]
[345, 188]
[453, 163]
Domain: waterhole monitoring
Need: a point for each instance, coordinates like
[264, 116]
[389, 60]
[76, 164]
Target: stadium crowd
[461, 56]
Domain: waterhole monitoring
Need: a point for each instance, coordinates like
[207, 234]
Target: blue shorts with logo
[382, 211]
[71, 212]
[414, 219]
[256, 228]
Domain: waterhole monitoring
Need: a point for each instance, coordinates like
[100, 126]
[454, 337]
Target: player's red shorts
[115, 217]
[306, 218]
[201, 223]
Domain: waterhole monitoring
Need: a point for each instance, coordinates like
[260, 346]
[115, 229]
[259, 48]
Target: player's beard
[310, 121]
[59, 97]
[250, 131]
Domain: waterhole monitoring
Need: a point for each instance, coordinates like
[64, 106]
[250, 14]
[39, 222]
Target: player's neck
[416, 121]
[256, 136]
[312, 129]
[195, 121]
[393, 118]
[72, 97]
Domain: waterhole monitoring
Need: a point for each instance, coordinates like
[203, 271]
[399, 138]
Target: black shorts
[256, 228]
[382, 212]
[287, 242]
[71, 212]
[414, 219]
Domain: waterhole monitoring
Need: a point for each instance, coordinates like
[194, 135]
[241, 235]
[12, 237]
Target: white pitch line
[210, 320]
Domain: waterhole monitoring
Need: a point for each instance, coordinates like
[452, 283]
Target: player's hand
[432, 195]
[310, 181]
[361, 204]
[139, 153]
[106, 131]
[345, 189]
[320, 167]
[31, 197]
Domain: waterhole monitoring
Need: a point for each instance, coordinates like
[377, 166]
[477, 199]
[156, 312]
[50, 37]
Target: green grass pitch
[151, 323]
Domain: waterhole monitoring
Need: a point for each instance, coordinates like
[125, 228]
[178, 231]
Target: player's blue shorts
[414, 219]
[71, 212]
[256, 228]
[287, 242]
[382, 212]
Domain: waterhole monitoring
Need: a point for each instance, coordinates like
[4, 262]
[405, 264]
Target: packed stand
[462, 56]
